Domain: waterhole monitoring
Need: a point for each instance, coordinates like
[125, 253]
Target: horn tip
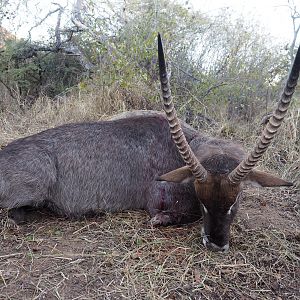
[159, 38]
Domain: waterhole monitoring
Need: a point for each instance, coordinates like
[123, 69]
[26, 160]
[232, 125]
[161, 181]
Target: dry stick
[11, 255]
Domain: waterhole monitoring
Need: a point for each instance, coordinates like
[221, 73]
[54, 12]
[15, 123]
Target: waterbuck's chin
[220, 168]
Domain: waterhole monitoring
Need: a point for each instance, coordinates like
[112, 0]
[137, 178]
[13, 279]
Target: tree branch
[295, 15]
[42, 20]
[9, 89]
[57, 27]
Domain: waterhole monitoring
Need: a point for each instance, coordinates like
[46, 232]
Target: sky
[273, 15]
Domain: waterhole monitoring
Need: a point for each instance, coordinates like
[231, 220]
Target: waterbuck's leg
[26, 214]
[172, 203]
[27, 181]
[18, 215]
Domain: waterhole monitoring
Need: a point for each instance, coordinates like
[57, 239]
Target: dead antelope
[219, 168]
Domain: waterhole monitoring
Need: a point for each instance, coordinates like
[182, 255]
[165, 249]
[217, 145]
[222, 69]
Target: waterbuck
[219, 168]
[80, 169]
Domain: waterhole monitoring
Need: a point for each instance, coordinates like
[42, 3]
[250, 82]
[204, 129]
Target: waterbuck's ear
[181, 175]
[260, 178]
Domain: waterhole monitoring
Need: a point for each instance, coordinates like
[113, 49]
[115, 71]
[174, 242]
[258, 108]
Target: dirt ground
[121, 257]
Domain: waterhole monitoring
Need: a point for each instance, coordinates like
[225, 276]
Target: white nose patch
[215, 247]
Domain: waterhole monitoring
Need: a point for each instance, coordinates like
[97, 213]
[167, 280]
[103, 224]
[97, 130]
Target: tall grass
[98, 102]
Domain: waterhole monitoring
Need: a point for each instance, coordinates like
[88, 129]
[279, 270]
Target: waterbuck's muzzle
[212, 246]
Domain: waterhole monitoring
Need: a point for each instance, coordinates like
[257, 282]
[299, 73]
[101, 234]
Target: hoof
[11, 224]
[160, 220]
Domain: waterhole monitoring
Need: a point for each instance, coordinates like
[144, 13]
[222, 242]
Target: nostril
[225, 248]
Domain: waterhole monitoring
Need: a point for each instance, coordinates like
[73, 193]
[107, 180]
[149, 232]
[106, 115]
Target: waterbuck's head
[219, 168]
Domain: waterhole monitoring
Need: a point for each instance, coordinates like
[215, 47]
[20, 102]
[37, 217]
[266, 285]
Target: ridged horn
[175, 128]
[244, 168]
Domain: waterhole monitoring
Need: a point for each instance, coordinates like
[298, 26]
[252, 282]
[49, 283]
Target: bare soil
[121, 257]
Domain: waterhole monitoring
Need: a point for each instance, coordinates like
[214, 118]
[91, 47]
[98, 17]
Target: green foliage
[59, 72]
[15, 70]
[27, 72]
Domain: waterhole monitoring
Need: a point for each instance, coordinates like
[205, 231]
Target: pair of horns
[245, 167]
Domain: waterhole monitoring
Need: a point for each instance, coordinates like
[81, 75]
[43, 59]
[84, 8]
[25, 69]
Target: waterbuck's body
[78, 169]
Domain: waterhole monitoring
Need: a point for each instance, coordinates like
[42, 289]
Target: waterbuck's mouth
[212, 246]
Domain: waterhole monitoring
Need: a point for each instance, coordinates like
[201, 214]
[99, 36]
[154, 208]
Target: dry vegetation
[121, 257]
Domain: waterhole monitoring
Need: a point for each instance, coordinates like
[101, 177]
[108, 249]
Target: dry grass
[45, 113]
[90, 104]
[282, 157]
[121, 257]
